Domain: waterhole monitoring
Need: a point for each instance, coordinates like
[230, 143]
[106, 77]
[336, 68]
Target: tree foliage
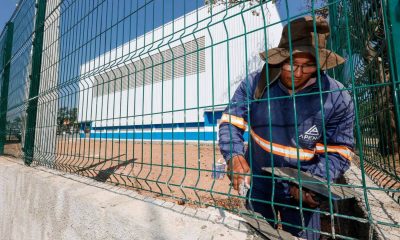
[67, 119]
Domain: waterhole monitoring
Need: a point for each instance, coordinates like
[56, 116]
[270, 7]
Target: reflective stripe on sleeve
[303, 154]
[341, 150]
[236, 121]
[281, 150]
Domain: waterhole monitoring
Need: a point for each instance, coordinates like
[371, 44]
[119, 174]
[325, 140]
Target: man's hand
[236, 165]
[308, 197]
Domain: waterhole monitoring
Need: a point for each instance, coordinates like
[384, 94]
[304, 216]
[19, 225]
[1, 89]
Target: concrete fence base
[38, 203]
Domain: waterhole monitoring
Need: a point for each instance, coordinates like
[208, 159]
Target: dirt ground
[176, 169]
[171, 171]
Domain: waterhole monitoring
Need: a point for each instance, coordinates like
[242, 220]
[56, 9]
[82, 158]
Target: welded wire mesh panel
[3, 39]
[163, 96]
[20, 68]
[3, 111]
[371, 64]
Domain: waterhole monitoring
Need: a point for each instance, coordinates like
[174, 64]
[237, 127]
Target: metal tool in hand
[244, 187]
[313, 183]
[255, 220]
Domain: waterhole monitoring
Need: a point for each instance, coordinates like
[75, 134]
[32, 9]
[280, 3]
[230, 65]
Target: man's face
[304, 67]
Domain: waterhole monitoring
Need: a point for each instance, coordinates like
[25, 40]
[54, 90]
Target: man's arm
[234, 119]
[338, 152]
[232, 127]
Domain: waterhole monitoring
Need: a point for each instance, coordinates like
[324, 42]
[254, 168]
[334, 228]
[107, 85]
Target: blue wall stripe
[190, 136]
[150, 126]
[209, 120]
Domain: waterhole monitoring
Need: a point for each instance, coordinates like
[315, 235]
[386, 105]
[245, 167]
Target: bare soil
[178, 170]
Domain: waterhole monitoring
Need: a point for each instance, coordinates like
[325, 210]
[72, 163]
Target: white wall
[248, 35]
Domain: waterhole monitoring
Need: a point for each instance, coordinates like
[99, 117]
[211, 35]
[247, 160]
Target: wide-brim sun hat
[304, 39]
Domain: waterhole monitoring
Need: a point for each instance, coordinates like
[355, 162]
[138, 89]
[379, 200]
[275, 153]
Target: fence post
[393, 32]
[394, 16]
[4, 87]
[35, 81]
[334, 23]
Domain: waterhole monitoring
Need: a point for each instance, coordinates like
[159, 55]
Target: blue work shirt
[272, 121]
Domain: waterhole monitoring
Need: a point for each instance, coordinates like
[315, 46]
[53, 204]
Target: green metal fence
[128, 92]
[369, 36]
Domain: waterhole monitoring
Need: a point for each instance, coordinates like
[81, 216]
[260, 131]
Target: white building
[192, 67]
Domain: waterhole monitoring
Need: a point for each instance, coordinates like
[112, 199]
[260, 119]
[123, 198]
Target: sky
[90, 28]
[116, 22]
[94, 27]
[7, 8]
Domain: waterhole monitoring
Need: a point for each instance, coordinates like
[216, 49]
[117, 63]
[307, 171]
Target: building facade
[173, 82]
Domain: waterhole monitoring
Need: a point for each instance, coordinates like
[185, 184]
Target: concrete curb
[383, 209]
[40, 203]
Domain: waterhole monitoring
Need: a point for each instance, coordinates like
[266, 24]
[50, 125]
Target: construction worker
[285, 96]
